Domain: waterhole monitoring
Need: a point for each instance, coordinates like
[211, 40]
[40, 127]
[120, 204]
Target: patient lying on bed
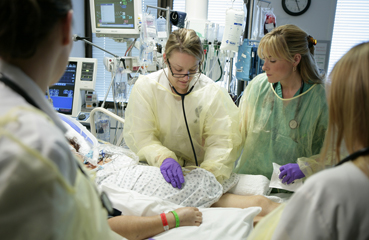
[141, 227]
[120, 167]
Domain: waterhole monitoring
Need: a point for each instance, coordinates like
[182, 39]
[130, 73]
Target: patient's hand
[189, 216]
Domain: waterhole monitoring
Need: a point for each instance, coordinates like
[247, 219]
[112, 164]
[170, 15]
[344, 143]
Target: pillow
[251, 185]
[218, 223]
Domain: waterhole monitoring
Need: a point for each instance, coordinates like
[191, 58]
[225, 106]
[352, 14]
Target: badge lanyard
[293, 124]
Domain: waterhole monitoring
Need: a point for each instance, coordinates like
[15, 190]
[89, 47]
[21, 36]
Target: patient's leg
[239, 201]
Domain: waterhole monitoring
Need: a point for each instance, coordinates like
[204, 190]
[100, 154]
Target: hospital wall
[78, 28]
[318, 21]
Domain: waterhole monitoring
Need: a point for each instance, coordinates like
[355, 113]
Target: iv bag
[161, 26]
[233, 29]
[102, 123]
[148, 39]
[120, 87]
[148, 32]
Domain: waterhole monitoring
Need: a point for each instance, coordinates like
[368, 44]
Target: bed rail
[110, 114]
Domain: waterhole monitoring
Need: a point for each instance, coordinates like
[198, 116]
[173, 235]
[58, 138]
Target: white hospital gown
[201, 189]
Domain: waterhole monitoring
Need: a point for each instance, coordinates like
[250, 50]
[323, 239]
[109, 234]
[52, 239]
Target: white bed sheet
[218, 223]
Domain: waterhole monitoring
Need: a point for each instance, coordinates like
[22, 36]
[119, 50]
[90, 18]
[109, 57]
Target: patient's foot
[257, 219]
[271, 206]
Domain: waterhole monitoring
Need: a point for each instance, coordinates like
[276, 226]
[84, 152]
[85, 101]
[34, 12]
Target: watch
[295, 7]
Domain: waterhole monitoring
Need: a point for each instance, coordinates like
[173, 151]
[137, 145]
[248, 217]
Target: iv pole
[76, 38]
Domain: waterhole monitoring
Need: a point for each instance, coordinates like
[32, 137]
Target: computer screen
[62, 93]
[68, 93]
[114, 18]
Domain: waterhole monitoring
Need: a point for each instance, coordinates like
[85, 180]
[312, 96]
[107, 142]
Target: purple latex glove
[172, 172]
[291, 172]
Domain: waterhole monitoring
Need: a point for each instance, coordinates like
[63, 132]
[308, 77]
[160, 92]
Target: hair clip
[311, 41]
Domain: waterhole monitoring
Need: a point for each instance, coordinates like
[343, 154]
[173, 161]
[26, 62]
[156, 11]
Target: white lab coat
[42, 193]
[332, 204]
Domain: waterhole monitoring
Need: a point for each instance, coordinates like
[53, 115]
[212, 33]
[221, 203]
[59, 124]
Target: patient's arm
[240, 201]
[134, 227]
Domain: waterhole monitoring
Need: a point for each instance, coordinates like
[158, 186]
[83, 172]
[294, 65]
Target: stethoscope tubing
[185, 118]
[352, 157]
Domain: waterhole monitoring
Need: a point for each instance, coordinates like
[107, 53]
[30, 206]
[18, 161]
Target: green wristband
[176, 217]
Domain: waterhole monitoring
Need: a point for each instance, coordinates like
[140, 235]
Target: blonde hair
[185, 41]
[285, 42]
[348, 100]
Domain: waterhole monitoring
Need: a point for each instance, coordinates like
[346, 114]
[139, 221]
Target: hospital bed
[111, 115]
[129, 197]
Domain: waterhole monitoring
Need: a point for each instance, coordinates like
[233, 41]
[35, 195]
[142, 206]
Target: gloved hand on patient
[172, 172]
[290, 172]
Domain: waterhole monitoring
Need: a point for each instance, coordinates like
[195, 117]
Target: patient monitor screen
[114, 14]
[62, 92]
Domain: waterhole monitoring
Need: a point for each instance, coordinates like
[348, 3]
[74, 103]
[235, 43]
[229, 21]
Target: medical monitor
[115, 19]
[79, 76]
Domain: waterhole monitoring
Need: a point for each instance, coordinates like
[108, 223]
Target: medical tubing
[107, 92]
[176, 217]
[114, 101]
[221, 71]
[184, 114]
[213, 65]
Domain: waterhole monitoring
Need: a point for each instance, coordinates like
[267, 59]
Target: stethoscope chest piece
[293, 124]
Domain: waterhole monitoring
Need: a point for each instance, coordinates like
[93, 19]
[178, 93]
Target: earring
[294, 68]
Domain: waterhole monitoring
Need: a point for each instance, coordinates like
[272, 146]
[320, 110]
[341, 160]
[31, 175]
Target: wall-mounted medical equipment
[248, 63]
[265, 20]
[115, 18]
[178, 18]
[68, 95]
[91, 100]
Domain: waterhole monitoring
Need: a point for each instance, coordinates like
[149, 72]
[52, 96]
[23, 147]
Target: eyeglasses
[180, 75]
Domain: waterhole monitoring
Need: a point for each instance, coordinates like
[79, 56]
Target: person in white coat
[44, 191]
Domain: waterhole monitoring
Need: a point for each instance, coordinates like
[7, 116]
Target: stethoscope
[352, 157]
[184, 115]
[106, 203]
